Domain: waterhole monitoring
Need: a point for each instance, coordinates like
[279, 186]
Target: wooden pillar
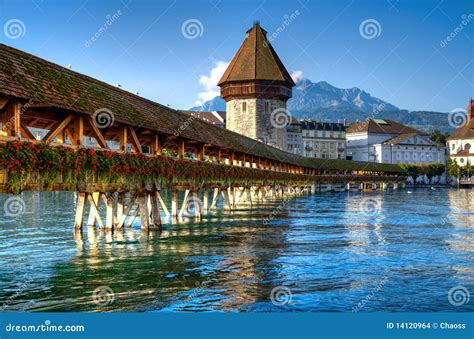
[197, 204]
[120, 208]
[181, 148]
[80, 209]
[155, 209]
[201, 152]
[215, 197]
[185, 203]
[162, 203]
[144, 215]
[227, 203]
[78, 130]
[92, 218]
[205, 200]
[174, 203]
[13, 119]
[123, 137]
[109, 219]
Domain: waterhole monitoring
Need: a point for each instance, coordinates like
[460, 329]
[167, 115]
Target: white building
[387, 141]
[461, 143]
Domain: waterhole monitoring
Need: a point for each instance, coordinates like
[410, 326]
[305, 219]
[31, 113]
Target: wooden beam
[95, 210]
[3, 101]
[78, 131]
[58, 128]
[97, 133]
[70, 135]
[180, 148]
[123, 138]
[156, 147]
[13, 119]
[201, 152]
[134, 139]
[25, 132]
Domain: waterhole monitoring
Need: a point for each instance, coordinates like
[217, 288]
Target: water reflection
[330, 250]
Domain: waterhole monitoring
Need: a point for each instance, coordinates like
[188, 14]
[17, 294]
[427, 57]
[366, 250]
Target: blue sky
[144, 49]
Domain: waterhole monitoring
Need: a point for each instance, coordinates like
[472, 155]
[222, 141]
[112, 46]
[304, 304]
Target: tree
[452, 168]
[433, 170]
[411, 171]
[438, 137]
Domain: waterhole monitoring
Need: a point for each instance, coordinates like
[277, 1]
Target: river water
[394, 251]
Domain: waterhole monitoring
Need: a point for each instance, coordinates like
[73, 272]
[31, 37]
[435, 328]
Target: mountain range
[322, 101]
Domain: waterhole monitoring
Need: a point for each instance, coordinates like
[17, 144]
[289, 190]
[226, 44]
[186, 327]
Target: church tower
[256, 87]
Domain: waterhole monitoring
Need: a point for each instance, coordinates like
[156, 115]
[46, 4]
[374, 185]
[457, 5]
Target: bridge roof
[28, 77]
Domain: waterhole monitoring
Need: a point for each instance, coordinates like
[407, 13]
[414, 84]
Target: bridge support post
[155, 210]
[205, 199]
[144, 214]
[120, 208]
[185, 203]
[215, 197]
[91, 220]
[174, 203]
[162, 203]
[197, 204]
[80, 209]
[109, 203]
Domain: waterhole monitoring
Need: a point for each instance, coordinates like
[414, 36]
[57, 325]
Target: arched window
[467, 147]
[244, 107]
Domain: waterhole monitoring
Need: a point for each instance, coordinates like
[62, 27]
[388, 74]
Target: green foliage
[433, 170]
[439, 137]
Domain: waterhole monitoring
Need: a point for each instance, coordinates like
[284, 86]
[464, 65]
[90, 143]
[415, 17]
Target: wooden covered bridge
[141, 148]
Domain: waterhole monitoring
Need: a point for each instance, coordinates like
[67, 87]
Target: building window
[467, 147]
[244, 107]
[267, 107]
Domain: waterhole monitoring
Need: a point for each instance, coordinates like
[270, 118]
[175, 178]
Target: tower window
[244, 107]
[267, 107]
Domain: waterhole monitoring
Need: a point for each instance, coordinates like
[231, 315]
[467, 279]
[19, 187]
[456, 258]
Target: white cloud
[297, 75]
[209, 82]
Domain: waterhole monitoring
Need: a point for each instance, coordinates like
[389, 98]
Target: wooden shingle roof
[28, 77]
[256, 60]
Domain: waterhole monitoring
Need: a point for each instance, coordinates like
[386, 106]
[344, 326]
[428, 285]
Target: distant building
[387, 141]
[294, 137]
[256, 87]
[325, 140]
[316, 139]
[461, 143]
[213, 117]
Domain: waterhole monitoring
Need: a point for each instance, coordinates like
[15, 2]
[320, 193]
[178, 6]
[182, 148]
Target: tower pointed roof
[256, 60]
